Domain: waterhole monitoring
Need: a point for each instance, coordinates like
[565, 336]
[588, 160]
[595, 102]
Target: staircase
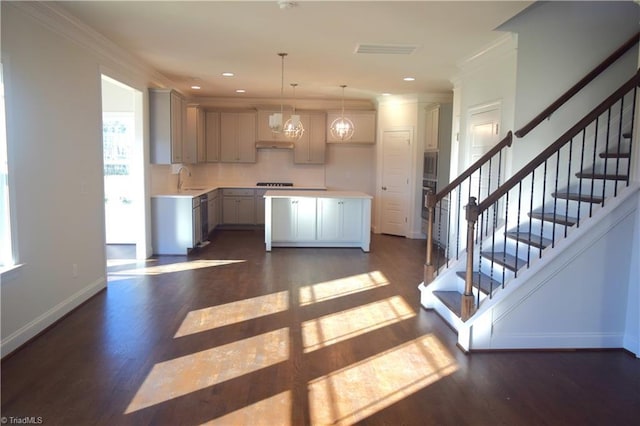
[539, 233]
[529, 238]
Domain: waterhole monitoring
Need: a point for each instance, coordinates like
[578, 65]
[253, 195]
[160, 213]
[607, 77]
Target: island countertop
[315, 194]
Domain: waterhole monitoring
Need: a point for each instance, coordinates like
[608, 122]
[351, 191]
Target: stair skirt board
[511, 319]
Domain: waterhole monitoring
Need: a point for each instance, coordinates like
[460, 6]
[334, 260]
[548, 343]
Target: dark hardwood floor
[235, 335]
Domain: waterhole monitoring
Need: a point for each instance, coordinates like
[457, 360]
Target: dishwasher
[204, 219]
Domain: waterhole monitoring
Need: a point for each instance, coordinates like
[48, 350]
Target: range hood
[274, 145]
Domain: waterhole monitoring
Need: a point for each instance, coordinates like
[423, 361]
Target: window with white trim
[6, 250]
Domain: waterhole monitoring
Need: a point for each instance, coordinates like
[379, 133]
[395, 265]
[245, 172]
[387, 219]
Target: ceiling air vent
[387, 49]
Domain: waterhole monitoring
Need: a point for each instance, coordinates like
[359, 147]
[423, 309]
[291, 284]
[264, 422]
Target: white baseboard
[38, 324]
[569, 340]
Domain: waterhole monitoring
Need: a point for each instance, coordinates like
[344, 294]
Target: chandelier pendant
[342, 128]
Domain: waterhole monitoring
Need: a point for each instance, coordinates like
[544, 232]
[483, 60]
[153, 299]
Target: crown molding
[504, 46]
[423, 98]
[266, 103]
[54, 18]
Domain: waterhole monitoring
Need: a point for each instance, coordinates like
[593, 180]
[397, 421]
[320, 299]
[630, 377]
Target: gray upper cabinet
[167, 125]
[238, 137]
[212, 137]
[310, 149]
[193, 148]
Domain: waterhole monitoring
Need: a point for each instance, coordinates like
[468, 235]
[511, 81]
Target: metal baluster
[533, 180]
[544, 194]
[566, 206]
[584, 137]
[606, 149]
[615, 185]
[632, 132]
[555, 199]
[486, 232]
[595, 144]
[458, 215]
[504, 249]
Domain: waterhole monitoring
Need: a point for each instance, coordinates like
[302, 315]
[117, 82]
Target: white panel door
[484, 128]
[396, 165]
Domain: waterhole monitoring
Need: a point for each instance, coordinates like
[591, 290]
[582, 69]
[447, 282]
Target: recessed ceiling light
[386, 94]
[241, 91]
[196, 87]
[228, 74]
[409, 79]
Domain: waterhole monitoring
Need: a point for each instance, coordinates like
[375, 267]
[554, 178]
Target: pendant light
[293, 128]
[342, 128]
[275, 119]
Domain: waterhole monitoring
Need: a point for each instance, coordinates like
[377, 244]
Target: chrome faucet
[180, 182]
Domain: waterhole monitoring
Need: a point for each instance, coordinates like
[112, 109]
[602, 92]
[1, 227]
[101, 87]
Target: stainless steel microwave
[430, 165]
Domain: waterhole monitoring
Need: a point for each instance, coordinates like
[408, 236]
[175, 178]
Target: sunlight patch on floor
[123, 262]
[356, 392]
[176, 267]
[341, 287]
[324, 331]
[272, 411]
[234, 312]
[184, 375]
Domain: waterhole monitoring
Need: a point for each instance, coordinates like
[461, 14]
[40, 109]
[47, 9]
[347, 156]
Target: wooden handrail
[578, 86]
[475, 166]
[559, 143]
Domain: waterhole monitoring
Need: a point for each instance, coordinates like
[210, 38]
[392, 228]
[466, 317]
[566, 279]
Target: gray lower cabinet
[238, 207]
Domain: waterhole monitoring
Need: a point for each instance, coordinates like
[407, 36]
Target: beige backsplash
[271, 166]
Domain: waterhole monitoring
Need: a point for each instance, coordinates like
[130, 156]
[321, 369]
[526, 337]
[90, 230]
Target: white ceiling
[194, 42]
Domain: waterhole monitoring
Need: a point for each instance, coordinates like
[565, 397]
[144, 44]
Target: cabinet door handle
[384, 188]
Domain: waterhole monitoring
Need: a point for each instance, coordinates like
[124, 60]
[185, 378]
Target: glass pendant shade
[342, 128]
[275, 122]
[293, 128]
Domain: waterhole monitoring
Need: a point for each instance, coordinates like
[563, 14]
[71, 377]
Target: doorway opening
[122, 142]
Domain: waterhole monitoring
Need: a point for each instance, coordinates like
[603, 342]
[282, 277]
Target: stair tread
[576, 196]
[614, 154]
[592, 174]
[531, 238]
[485, 284]
[507, 260]
[451, 299]
[560, 219]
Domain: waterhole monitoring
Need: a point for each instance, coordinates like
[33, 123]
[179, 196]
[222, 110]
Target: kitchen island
[317, 219]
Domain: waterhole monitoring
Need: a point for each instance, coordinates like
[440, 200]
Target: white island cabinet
[317, 219]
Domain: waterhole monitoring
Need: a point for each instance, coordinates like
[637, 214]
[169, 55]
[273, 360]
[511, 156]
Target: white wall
[558, 44]
[487, 77]
[54, 135]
